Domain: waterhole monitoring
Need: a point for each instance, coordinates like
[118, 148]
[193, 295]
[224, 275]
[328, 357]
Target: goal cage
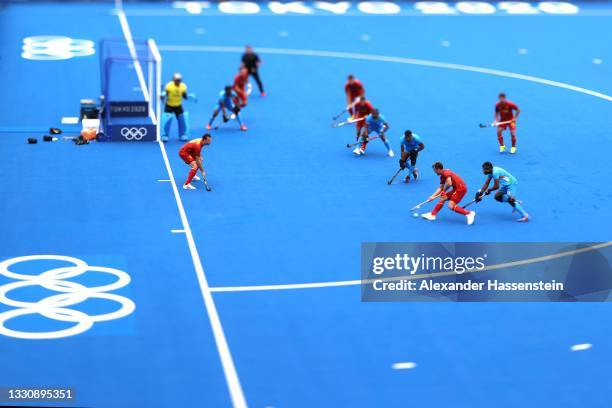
[131, 89]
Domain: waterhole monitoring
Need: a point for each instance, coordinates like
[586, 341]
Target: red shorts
[504, 127]
[360, 125]
[187, 158]
[456, 195]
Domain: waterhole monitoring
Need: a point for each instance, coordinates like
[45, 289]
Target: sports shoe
[429, 216]
[358, 151]
[188, 187]
[407, 179]
[415, 173]
[164, 139]
[470, 217]
[390, 153]
[196, 178]
[523, 219]
[243, 128]
[208, 127]
[183, 138]
[263, 94]
[513, 150]
[502, 149]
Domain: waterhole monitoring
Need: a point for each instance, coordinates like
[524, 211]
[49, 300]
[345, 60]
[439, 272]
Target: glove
[192, 96]
[402, 164]
[443, 194]
[487, 192]
[225, 119]
[478, 197]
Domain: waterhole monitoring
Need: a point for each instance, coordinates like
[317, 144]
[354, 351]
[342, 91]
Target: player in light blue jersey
[505, 183]
[375, 122]
[228, 102]
[411, 145]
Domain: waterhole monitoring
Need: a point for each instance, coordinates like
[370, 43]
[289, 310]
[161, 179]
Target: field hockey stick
[206, 184]
[394, 176]
[346, 122]
[340, 114]
[493, 124]
[470, 203]
[361, 141]
[416, 207]
[476, 201]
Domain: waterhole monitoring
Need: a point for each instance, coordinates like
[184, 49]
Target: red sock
[513, 141]
[191, 175]
[363, 146]
[461, 210]
[500, 139]
[437, 208]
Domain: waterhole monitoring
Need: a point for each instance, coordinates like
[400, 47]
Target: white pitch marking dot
[283, 33]
[597, 61]
[581, 347]
[445, 43]
[522, 51]
[200, 30]
[364, 37]
[404, 366]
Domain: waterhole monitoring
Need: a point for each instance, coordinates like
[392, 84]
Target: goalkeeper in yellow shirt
[174, 93]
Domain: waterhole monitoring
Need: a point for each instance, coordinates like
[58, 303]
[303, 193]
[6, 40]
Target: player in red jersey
[240, 82]
[505, 112]
[448, 179]
[362, 108]
[353, 90]
[191, 153]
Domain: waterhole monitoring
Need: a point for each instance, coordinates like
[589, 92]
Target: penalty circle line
[356, 282]
[385, 58]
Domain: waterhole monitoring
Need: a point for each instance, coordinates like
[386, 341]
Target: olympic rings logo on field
[134, 133]
[56, 307]
[55, 47]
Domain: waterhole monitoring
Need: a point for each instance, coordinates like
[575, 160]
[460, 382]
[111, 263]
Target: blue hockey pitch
[250, 293]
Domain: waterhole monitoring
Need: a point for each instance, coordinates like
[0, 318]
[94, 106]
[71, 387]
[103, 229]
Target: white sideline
[356, 282]
[227, 362]
[137, 67]
[385, 58]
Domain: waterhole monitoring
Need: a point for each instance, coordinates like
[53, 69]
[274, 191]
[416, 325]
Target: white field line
[357, 282]
[227, 362]
[137, 67]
